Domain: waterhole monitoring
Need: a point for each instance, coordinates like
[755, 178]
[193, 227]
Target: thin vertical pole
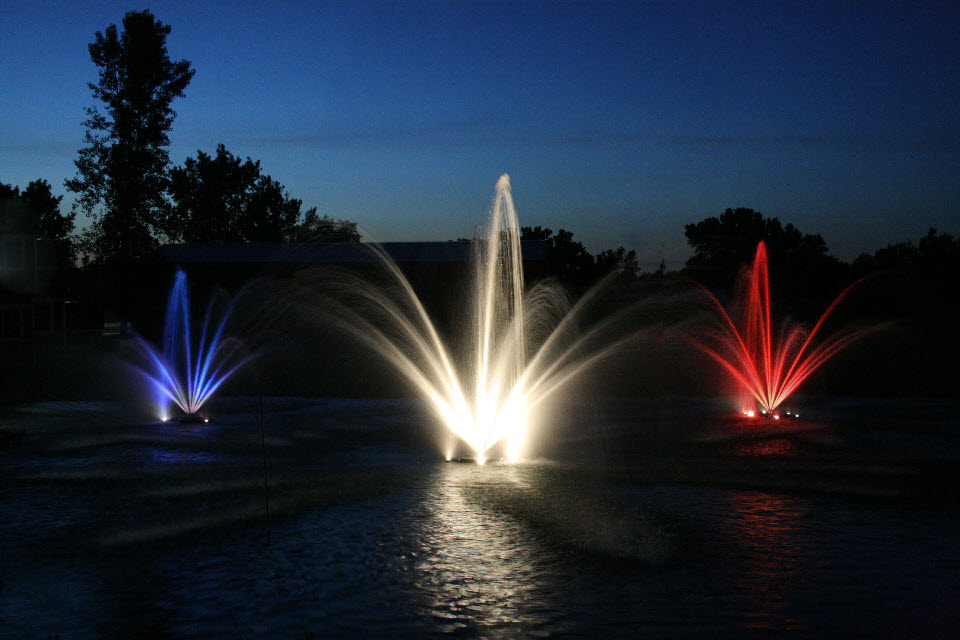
[266, 488]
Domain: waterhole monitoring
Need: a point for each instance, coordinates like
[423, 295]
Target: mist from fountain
[768, 365]
[186, 372]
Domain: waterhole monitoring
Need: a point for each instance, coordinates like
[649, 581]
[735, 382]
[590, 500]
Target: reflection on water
[765, 526]
[162, 455]
[178, 430]
[767, 447]
[476, 568]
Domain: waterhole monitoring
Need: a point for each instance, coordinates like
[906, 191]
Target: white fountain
[524, 343]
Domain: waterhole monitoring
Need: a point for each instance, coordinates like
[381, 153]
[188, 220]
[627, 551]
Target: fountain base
[192, 418]
[763, 414]
[474, 460]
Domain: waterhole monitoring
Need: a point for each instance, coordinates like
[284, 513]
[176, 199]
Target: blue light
[187, 374]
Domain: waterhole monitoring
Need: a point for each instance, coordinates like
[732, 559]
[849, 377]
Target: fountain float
[523, 345]
[767, 366]
[186, 373]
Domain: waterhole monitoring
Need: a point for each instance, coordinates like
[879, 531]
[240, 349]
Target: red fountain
[768, 366]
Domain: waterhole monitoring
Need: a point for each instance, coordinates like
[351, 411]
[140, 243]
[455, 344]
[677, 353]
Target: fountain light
[186, 372]
[489, 393]
[764, 363]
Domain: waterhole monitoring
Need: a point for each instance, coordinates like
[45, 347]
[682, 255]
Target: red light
[767, 363]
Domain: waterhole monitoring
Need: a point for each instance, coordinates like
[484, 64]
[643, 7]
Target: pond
[344, 520]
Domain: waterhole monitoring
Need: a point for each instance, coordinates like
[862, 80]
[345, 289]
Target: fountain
[184, 373]
[522, 345]
[766, 366]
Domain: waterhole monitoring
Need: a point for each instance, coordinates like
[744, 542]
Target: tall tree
[122, 172]
[225, 199]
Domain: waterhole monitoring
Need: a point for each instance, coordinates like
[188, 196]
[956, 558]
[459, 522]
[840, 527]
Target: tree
[316, 228]
[916, 278]
[39, 201]
[58, 227]
[618, 260]
[800, 264]
[122, 172]
[569, 260]
[225, 199]
[572, 264]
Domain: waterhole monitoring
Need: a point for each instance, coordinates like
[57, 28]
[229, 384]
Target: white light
[750, 413]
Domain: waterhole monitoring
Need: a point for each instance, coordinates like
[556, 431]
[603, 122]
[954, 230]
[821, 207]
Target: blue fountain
[185, 373]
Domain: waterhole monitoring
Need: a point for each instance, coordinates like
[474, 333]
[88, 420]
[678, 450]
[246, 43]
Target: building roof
[330, 252]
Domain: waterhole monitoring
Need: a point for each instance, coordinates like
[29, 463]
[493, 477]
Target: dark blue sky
[619, 121]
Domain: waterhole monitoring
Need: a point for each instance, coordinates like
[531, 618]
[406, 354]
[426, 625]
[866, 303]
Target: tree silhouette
[914, 286]
[622, 262]
[800, 263]
[40, 201]
[222, 198]
[53, 224]
[572, 264]
[316, 228]
[569, 260]
[122, 172]
[917, 278]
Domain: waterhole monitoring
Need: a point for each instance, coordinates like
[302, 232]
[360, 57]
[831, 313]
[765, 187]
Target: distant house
[30, 312]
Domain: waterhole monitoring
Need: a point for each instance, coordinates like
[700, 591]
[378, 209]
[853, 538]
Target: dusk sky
[621, 122]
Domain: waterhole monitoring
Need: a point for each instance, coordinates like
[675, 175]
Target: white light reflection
[479, 571]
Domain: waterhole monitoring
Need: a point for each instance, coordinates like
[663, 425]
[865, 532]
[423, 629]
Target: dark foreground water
[636, 525]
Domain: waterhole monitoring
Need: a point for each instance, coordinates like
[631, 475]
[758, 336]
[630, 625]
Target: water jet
[186, 372]
[768, 366]
[521, 345]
